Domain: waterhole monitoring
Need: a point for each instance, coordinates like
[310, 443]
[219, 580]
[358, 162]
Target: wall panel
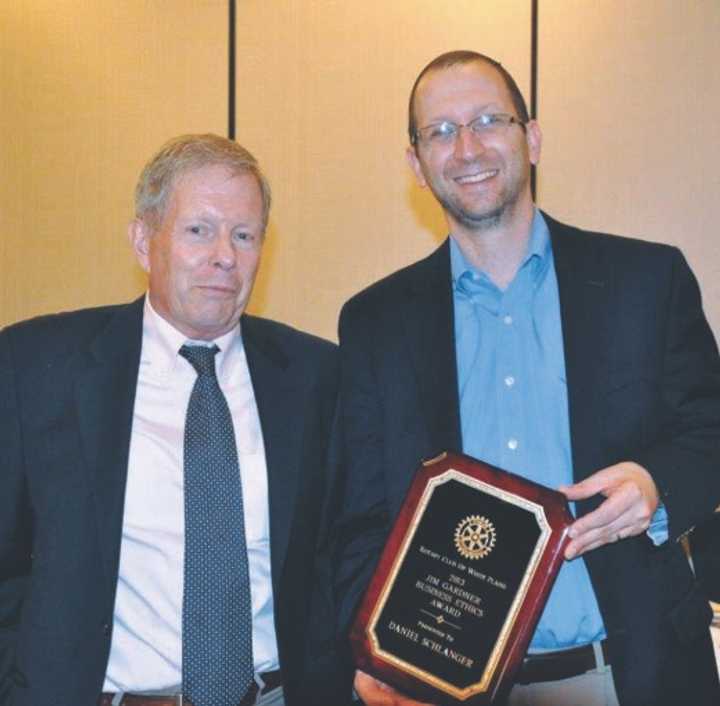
[629, 94]
[322, 88]
[89, 90]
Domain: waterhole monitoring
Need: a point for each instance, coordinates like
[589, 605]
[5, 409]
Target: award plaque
[461, 583]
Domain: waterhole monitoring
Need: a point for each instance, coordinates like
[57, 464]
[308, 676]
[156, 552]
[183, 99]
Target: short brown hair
[464, 56]
[187, 153]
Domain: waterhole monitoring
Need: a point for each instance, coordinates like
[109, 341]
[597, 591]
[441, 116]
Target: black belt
[272, 680]
[106, 699]
[562, 664]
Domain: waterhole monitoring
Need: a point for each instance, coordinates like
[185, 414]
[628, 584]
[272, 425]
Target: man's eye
[443, 130]
[196, 230]
[484, 121]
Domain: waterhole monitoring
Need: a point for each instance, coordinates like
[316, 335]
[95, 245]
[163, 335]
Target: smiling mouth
[476, 178]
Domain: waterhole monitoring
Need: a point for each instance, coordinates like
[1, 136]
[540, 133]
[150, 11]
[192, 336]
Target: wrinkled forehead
[211, 191]
[210, 175]
[211, 180]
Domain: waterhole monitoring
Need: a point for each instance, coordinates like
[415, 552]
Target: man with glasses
[579, 360]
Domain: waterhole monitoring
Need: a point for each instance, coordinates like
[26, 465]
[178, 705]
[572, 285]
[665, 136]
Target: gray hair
[185, 154]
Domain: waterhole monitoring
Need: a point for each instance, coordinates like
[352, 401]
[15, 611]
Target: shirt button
[509, 380]
[507, 319]
[512, 444]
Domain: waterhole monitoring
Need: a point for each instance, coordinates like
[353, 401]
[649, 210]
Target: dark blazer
[643, 381]
[67, 390]
[705, 549]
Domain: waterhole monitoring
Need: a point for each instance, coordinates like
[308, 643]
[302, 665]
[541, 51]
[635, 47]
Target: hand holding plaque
[461, 583]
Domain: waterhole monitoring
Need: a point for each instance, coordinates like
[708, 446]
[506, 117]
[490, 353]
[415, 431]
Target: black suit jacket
[643, 384]
[67, 390]
[705, 549]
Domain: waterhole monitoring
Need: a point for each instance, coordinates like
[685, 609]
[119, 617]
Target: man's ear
[533, 135]
[139, 235]
[414, 162]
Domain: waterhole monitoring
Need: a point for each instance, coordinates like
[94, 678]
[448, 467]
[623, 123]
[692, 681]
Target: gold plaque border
[545, 532]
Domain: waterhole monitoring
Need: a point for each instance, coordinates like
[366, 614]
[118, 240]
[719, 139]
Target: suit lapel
[585, 286]
[427, 314]
[274, 387]
[105, 387]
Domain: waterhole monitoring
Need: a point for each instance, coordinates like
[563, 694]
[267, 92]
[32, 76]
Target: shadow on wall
[261, 288]
[428, 214]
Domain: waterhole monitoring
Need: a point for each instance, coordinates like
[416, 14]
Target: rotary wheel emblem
[475, 537]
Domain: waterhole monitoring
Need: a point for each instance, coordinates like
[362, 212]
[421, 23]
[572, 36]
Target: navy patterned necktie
[217, 661]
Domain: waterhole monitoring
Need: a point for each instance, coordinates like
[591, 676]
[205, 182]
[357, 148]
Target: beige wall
[88, 91]
[628, 95]
[629, 98]
[322, 100]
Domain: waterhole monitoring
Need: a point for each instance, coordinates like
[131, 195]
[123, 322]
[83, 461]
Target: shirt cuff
[658, 529]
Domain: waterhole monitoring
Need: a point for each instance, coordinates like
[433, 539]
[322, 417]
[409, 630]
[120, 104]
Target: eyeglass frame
[506, 121]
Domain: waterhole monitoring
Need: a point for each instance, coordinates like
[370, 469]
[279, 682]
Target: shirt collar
[538, 255]
[162, 342]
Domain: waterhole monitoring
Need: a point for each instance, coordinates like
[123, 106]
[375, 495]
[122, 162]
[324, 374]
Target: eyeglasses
[446, 132]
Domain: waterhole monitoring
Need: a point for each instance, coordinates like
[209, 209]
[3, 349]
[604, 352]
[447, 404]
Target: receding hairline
[465, 57]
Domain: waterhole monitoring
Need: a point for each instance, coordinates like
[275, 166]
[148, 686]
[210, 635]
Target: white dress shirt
[146, 648]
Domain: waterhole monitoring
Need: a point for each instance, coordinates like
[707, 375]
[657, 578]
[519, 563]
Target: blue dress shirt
[514, 406]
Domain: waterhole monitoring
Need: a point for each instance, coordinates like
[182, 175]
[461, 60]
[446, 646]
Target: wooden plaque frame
[448, 615]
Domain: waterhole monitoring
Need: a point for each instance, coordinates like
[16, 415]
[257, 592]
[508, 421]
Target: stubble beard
[478, 222]
[481, 219]
[486, 217]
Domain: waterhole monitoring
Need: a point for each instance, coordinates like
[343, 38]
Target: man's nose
[467, 143]
[224, 254]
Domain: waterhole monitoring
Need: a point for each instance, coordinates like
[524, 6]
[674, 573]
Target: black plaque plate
[461, 582]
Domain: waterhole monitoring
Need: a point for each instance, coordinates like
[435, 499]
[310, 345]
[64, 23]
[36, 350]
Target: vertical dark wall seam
[533, 80]
[231, 69]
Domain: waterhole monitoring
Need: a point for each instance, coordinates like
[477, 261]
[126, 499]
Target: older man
[579, 360]
[163, 472]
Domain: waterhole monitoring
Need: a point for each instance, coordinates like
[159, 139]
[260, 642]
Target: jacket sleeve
[685, 459]
[15, 543]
